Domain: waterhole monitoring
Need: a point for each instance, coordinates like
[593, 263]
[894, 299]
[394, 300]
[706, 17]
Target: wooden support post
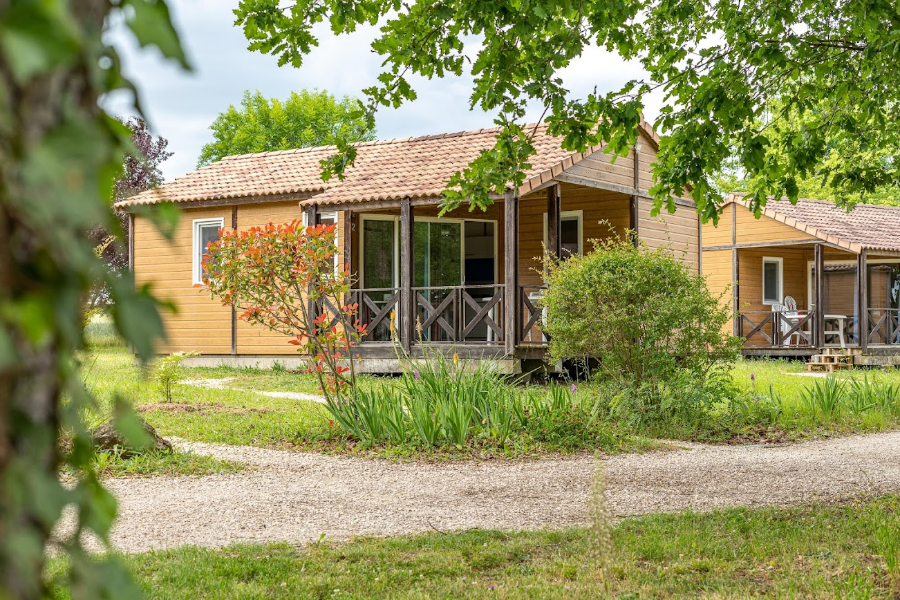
[130, 242]
[634, 205]
[407, 299]
[735, 274]
[234, 226]
[862, 279]
[819, 270]
[736, 291]
[554, 223]
[346, 233]
[511, 264]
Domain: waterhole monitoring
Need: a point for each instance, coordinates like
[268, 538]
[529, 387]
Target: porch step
[826, 367]
[832, 359]
[840, 351]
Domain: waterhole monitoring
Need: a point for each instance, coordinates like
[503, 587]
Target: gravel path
[296, 497]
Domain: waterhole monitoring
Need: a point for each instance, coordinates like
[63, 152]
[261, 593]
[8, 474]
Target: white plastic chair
[790, 317]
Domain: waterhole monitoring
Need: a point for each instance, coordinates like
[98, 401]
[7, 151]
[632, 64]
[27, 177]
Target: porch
[795, 299]
[466, 282]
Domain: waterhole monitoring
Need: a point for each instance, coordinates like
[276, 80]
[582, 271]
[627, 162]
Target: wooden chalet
[808, 277]
[467, 282]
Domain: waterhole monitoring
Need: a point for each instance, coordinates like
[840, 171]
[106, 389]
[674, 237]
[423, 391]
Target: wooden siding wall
[751, 230]
[254, 339]
[678, 232]
[603, 214]
[795, 276]
[717, 271]
[200, 324]
[719, 234]
[600, 166]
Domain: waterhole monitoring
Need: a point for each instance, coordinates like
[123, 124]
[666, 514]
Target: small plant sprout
[168, 371]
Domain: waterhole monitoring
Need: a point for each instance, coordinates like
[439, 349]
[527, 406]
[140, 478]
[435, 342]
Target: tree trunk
[34, 281]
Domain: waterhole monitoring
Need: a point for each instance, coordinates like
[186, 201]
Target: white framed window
[772, 280]
[205, 231]
[571, 240]
[329, 218]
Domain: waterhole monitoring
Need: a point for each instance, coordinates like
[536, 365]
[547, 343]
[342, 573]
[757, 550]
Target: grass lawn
[240, 417]
[109, 464]
[807, 552]
[770, 407]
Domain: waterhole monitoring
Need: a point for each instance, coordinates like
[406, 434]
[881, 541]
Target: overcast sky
[181, 106]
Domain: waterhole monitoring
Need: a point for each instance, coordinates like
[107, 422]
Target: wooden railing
[460, 314]
[776, 328]
[884, 326]
[531, 316]
[375, 308]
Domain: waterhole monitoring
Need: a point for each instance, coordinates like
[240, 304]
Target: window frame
[330, 214]
[196, 251]
[779, 261]
[567, 215]
[396, 220]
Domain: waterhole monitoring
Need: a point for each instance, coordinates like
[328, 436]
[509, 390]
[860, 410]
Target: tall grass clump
[444, 401]
[100, 332]
[840, 403]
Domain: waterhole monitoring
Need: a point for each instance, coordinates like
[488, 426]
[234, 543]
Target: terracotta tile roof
[263, 174]
[418, 167]
[867, 226]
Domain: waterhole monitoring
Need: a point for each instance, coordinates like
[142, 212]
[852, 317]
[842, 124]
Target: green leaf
[8, 355]
[36, 38]
[136, 315]
[152, 26]
[130, 425]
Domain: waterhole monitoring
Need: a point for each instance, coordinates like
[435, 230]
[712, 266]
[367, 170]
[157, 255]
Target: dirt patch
[184, 407]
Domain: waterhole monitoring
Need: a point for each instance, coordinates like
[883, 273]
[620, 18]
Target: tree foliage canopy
[833, 67]
[140, 171]
[823, 181]
[307, 118]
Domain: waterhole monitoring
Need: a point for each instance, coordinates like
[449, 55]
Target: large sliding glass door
[437, 254]
[447, 254]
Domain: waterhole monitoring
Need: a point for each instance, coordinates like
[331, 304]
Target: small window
[570, 242]
[772, 280]
[329, 218]
[205, 232]
[570, 239]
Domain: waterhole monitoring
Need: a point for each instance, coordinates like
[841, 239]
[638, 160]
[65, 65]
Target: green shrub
[651, 326]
